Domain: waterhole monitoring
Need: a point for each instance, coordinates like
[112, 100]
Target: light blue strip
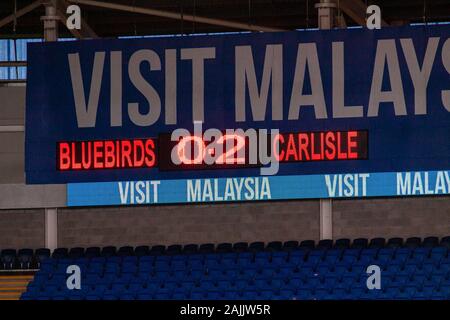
[386, 184]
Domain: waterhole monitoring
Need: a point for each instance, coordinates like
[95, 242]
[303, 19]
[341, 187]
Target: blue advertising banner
[344, 102]
[359, 185]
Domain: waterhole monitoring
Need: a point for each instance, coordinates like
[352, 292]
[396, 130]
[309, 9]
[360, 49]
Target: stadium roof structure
[112, 18]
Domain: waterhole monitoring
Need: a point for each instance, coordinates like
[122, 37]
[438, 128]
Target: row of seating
[247, 293]
[30, 259]
[392, 277]
[436, 258]
[322, 271]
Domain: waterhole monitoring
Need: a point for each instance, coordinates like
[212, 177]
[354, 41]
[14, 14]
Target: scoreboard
[142, 153]
[241, 117]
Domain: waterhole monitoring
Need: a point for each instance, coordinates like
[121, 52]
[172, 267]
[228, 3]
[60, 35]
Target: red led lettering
[126, 154]
[330, 153]
[303, 142]
[64, 156]
[150, 153]
[98, 163]
[352, 144]
[314, 156]
[109, 154]
[138, 153]
[186, 142]
[291, 149]
[341, 155]
[75, 165]
[86, 155]
[280, 139]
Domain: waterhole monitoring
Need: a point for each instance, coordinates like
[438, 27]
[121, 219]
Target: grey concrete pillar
[51, 228]
[50, 21]
[326, 14]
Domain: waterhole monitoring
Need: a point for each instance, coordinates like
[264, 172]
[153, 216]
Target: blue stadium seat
[60, 253]
[342, 244]
[25, 258]
[307, 245]
[180, 296]
[274, 246]
[76, 253]
[290, 245]
[240, 247]
[325, 244]
[174, 249]
[125, 251]
[360, 243]
[157, 250]
[430, 241]
[108, 251]
[92, 252]
[438, 252]
[40, 255]
[413, 242]
[377, 243]
[445, 242]
[394, 242]
[206, 248]
[224, 247]
[142, 251]
[190, 249]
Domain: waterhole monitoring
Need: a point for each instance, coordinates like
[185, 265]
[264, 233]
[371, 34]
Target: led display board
[338, 110]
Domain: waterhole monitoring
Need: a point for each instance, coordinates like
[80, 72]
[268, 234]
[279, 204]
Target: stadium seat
[190, 249]
[40, 255]
[25, 258]
[342, 243]
[430, 241]
[8, 258]
[142, 251]
[325, 244]
[394, 243]
[174, 249]
[290, 245]
[157, 250]
[240, 246]
[360, 243]
[445, 242]
[224, 247]
[274, 246]
[108, 251]
[206, 248]
[76, 253]
[60, 253]
[256, 246]
[377, 243]
[307, 245]
[413, 242]
[92, 252]
[125, 251]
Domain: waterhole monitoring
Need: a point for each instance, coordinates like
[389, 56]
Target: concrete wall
[12, 157]
[22, 229]
[391, 217]
[12, 105]
[299, 220]
[189, 224]
[14, 194]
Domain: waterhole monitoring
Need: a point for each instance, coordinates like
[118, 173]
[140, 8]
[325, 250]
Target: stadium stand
[411, 269]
